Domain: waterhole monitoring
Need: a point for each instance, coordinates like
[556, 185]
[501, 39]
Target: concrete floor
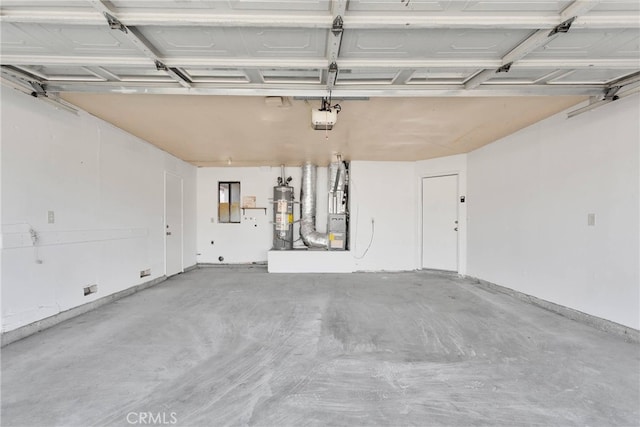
[229, 346]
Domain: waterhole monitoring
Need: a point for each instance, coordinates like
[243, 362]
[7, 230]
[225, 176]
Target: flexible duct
[308, 233]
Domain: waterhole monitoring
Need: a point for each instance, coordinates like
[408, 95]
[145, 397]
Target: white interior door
[440, 223]
[173, 224]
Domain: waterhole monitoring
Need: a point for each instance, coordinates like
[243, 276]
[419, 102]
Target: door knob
[455, 229]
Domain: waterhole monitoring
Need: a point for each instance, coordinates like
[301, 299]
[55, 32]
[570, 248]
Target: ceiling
[247, 131]
[234, 82]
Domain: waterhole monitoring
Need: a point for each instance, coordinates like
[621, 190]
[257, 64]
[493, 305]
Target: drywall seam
[46, 323]
[629, 334]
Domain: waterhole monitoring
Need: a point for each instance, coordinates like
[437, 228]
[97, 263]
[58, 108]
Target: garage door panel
[430, 43]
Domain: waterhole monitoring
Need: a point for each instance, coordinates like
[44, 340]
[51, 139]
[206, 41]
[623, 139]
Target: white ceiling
[395, 65]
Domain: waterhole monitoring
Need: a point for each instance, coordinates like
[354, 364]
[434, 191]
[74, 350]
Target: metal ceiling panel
[493, 7]
[618, 43]
[222, 5]
[137, 74]
[450, 44]
[519, 75]
[133, 5]
[348, 77]
[177, 42]
[291, 76]
[442, 75]
[288, 5]
[627, 6]
[16, 38]
[286, 42]
[589, 77]
[62, 73]
[380, 47]
[63, 40]
[190, 41]
[43, 4]
[510, 6]
[397, 6]
[216, 75]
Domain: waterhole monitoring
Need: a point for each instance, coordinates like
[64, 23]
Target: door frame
[164, 225]
[457, 174]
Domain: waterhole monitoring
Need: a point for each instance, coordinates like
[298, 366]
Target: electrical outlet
[51, 217]
[92, 289]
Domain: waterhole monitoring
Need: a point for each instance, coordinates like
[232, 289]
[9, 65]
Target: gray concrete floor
[229, 346]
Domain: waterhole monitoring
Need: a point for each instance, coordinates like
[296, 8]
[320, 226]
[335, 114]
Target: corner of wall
[554, 212]
[91, 193]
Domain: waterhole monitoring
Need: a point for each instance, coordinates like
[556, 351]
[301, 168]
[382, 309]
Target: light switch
[591, 219]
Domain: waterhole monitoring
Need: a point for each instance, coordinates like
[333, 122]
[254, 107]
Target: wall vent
[145, 273]
[90, 290]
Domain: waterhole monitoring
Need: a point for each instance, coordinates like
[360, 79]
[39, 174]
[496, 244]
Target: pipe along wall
[336, 236]
[308, 233]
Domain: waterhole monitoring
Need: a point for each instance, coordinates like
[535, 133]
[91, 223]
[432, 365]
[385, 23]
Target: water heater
[282, 217]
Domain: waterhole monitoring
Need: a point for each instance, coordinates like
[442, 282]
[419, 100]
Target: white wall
[250, 240]
[106, 189]
[438, 167]
[529, 197]
[387, 193]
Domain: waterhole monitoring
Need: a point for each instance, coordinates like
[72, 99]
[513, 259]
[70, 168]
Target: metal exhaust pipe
[308, 233]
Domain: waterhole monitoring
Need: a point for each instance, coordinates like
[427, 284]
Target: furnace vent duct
[337, 177]
[308, 233]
